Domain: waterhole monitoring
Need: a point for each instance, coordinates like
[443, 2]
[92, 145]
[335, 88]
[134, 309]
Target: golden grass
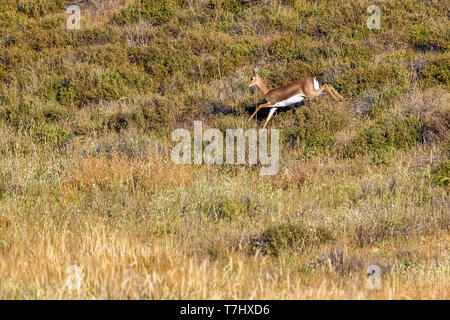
[143, 245]
[117, 265]
[150, 174]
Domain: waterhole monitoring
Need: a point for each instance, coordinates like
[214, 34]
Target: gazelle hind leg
[265, 105]
[272, 111]
[337, 93]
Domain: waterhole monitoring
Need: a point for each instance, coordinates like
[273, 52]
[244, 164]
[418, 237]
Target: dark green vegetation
[285, 236]
[172, 61]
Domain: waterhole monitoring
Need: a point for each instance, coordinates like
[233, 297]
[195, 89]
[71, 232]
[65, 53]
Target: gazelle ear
[255, 71]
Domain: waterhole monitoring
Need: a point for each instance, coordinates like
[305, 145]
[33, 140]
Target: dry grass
[133, 230]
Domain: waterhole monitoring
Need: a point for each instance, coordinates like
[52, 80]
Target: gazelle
[292, 93]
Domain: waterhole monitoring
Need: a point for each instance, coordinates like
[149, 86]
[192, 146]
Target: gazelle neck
[262, 86]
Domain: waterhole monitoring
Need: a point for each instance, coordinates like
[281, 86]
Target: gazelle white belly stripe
[292, 100]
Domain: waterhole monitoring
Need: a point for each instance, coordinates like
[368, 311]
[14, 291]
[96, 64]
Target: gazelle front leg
[265, 105]
[327, 88]
[271, 112]
[337, 93]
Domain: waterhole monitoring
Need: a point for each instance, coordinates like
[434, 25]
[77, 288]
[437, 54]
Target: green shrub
[38, 39]
[112, 85]
[227, 208]
[312, 128]
[94, 36]
[108, 85]
[324, 235]
[243, 50]
[66, 93]
[365, 76]
[118, 122]
[52, 134]
[292, 47]
[36, 8]
[437, 71]
[112, 55]
[161, 61]
[385, 135]
[441, 173]
[31, 113]
[280, 237]
[421, 37]
[235, 6]
[423, 196]
[158, 11]
[290, 236]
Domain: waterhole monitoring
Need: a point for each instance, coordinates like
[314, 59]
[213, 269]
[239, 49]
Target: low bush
[157, 11]
[290, 236]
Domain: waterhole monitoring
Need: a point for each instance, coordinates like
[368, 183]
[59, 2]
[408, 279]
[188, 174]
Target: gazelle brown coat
[289, 94]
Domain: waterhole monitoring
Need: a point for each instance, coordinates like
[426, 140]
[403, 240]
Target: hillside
[86, 178]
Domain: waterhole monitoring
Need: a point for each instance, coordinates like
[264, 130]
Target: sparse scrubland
[86, 177]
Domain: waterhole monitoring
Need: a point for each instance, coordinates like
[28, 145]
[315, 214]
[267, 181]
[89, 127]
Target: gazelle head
[254, 79]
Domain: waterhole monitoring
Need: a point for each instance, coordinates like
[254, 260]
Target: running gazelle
[289, 94]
